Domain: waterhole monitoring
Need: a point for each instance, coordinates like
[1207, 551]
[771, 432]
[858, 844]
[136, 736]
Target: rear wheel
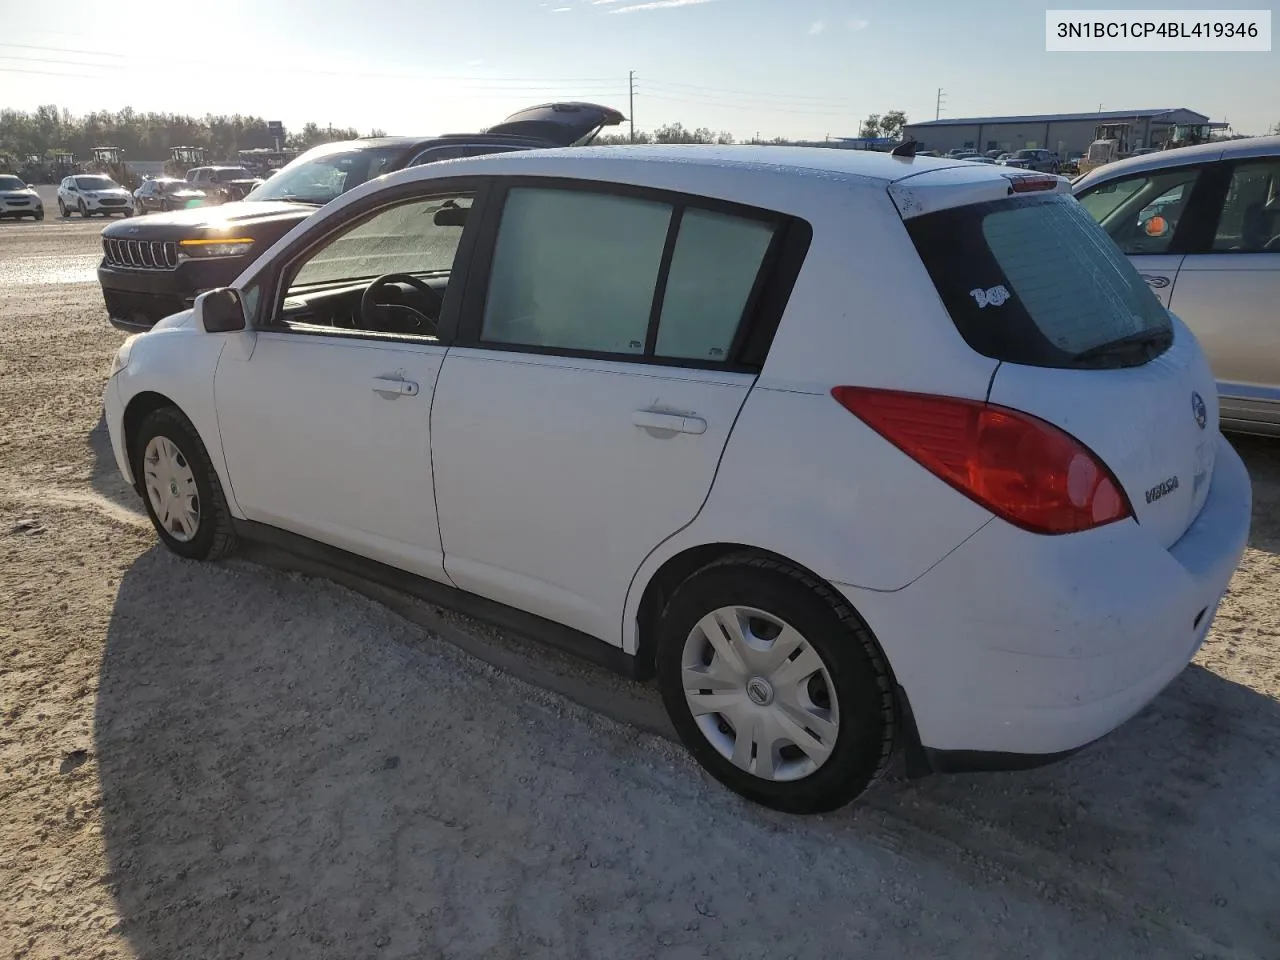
[180, 487]
[775, 685]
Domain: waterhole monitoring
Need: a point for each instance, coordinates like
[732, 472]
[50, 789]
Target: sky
[792, 68]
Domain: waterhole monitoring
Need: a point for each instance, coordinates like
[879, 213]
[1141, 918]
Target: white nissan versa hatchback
[851, 450]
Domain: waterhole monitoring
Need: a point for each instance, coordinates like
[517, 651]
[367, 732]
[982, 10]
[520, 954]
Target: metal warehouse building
[1069, 134]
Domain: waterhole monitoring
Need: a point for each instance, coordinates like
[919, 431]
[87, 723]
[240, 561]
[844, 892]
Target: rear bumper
[1016, 649]
[139, 299]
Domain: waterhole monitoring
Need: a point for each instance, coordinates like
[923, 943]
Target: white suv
[852, 450]
[92, 193]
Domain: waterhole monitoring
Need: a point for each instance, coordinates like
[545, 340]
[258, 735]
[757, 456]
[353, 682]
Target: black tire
[215, 535]
[38, 216]
[858, 670]
[84, 211]
[62, 209]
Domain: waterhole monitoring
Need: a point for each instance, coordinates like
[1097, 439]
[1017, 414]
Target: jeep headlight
[216, 247]
[121, 359]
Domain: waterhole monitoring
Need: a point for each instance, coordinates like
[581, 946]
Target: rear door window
[1250, 218]
[1034, 280]
[646, 277]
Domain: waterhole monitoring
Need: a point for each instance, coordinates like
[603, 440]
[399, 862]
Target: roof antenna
[907, 148]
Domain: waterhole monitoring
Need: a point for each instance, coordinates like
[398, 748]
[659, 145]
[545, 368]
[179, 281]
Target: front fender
[179, 363]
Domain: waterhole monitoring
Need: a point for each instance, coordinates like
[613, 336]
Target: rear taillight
[1017, 466]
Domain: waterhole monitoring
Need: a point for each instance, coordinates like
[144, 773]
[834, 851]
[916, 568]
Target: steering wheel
[421, 322]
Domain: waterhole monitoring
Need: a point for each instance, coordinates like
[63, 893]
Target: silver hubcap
[760, 693]
[171, 488]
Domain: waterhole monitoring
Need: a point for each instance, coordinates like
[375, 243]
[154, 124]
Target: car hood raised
[565, 124]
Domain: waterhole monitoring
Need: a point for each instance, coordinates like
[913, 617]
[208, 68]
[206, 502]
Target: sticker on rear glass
[992, 296]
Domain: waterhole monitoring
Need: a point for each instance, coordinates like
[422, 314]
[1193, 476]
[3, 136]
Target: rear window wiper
[1148, 342]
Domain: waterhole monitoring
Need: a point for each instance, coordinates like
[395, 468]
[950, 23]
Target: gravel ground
[245, 760]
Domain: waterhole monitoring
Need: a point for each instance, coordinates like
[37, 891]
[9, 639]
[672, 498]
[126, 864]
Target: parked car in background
[19, 199]
[1033, 159]
[156, 267]
[1202, 226]
[542, 386]
[222, 184]
[89, 194]
[167, 193]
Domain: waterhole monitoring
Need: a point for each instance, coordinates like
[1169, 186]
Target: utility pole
[631, 106]
[937, 110]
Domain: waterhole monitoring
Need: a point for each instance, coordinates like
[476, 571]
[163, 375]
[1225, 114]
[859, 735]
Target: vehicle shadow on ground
[287, 767]
[1262, 456]
[104, 475]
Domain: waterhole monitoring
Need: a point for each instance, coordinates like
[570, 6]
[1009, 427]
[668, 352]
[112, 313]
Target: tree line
[144, 136]
[50, 129]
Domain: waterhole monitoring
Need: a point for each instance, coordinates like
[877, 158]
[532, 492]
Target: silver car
[1202, 225]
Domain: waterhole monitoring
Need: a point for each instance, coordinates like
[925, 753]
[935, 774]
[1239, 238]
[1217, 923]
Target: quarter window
[1250, 218]
[603, 273]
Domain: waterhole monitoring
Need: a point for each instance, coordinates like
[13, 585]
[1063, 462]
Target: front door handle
[391, 387]
[668, 422]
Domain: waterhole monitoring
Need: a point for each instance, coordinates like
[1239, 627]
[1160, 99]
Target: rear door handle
[390, 387]
[668, 422]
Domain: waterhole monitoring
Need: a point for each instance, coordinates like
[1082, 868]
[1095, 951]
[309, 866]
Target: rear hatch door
[565, 124]
[1031, 280]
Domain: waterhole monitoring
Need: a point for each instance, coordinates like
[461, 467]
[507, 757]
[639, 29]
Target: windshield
[233, 173]
[1034, 280]
[96, 183]
[1025, 154]
[11, 183]
[325, 173]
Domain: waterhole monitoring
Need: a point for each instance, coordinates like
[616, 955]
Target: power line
[816, 99]
[732, 105]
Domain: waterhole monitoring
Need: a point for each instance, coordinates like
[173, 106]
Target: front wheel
[38, 216]
[62, 209]
[180, 487]
[84, 211]
[775, 685]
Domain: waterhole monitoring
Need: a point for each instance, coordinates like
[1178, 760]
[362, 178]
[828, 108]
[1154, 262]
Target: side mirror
[220, 310]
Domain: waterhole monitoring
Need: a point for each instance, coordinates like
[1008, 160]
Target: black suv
[156, 265]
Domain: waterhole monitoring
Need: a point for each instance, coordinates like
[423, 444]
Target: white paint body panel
[1139, 420]
[312, 448]
[526, 478]
[550, 495]
[1023, 644]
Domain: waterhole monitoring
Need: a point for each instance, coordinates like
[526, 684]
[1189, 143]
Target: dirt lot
[245, 761]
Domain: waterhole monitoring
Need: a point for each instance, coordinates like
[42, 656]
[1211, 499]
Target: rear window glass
[1034, 280]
